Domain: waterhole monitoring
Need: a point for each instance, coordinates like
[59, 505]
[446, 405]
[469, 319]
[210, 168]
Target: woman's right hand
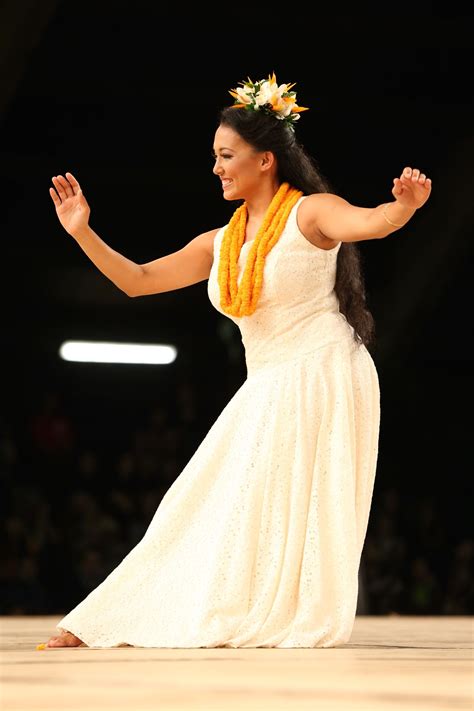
[71, 206]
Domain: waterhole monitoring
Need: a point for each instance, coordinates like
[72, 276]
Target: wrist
[396, 214]
[81, 233]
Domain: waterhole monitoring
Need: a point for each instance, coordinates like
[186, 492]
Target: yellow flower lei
[241, 300]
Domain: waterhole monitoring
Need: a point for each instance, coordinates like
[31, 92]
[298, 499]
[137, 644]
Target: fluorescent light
[110, 352]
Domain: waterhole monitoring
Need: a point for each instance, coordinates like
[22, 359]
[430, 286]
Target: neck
[258, 202]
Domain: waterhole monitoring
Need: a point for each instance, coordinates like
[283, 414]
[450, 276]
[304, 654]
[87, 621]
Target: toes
[51, 642]
[65, 639]
[61, 640]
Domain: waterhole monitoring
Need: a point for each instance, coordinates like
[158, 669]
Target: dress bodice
[297, 310]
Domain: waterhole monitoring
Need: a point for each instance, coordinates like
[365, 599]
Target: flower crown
[267, 96]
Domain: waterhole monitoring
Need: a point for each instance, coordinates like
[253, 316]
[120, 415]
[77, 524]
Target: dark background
[126, 96]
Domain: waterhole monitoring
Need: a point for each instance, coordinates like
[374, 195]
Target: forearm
[380, 218]
[121, 271]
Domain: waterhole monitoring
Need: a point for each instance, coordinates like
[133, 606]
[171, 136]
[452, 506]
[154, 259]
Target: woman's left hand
[412, 189]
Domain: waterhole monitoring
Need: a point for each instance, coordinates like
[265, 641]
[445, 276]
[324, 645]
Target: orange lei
[241, 300]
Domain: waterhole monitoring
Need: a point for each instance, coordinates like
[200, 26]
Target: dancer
[257, 543]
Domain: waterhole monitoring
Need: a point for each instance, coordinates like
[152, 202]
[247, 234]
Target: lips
[226, 183]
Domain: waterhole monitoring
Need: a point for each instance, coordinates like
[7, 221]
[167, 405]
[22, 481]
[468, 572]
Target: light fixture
[112, 352]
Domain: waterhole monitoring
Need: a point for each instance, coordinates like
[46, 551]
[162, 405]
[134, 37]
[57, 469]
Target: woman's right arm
[187, 266]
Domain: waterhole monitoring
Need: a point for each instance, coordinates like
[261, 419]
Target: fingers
[59, 188]
[76, 188]
[397, 186]
[66, 186]
[410, 176]
[55, 197]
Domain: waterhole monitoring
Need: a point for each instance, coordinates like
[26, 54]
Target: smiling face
[239, 166]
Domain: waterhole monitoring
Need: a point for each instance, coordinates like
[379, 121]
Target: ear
[267, 160]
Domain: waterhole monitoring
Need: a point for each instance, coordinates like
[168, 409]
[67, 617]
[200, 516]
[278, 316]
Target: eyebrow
[223, 148]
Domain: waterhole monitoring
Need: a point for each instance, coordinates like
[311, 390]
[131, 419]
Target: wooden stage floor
[394, 662]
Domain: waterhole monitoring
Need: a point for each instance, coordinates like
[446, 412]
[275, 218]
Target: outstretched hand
[71, 206]
[412, 189]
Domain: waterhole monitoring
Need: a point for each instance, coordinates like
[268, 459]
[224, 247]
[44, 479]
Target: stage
[394, 662]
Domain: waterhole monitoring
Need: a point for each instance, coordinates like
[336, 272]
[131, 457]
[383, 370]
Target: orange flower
[241, 299]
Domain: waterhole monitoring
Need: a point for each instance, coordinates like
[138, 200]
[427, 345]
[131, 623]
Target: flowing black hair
[299, 169]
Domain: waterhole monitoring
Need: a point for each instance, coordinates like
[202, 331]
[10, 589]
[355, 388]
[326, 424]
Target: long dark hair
[299, 169]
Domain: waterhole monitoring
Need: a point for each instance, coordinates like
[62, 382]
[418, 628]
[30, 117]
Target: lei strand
[241, 299]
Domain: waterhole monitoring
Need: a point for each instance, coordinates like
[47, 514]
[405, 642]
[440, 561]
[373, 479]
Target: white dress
[257, 543]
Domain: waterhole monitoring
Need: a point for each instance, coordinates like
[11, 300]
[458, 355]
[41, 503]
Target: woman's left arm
[336, 219]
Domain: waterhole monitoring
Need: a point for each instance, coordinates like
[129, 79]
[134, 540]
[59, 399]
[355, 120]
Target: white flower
[245, 94]
[263, 95]
[288, 102]
[270, 93]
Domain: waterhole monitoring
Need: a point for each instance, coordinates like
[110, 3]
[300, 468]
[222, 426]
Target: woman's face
[237, 163]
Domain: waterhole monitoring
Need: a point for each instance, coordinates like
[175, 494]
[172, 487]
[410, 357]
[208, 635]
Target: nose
[217, 169]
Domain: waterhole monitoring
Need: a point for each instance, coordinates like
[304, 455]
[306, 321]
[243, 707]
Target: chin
[231, 195]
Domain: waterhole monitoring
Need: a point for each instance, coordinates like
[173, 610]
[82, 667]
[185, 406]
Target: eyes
[226, 156]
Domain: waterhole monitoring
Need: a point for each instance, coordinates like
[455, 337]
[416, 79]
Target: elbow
[135, 288]
[130, 292]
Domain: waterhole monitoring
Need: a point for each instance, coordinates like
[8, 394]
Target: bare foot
[65, 639]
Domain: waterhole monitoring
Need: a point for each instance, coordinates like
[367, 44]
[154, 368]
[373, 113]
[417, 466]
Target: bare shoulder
[310, 210]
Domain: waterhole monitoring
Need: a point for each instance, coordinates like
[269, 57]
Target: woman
[258, 541]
